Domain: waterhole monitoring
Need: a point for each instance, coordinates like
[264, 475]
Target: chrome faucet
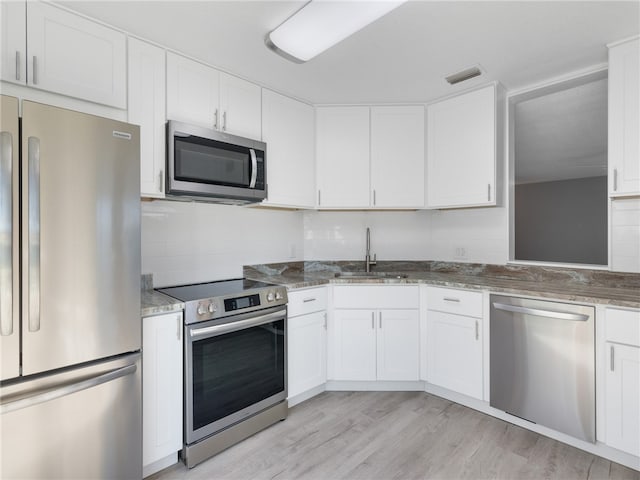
[367, 258]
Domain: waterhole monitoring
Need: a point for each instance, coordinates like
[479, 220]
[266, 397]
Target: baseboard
[301, 397]
[381, 386]
[155, 467]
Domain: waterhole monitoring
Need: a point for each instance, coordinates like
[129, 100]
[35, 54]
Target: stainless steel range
[235, 378]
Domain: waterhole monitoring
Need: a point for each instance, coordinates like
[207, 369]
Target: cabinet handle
[373, 320]
[374, 197]
[179, 327]
[380, 319]
[325, 321]
[161, 181]
[615, 179]
[612, 362]
[35, 70]
[224, 121]
[17, 65]
[215, 122]
[307, 300]
[451, 299]
[477, 330]
[318, 197]
[488, 192]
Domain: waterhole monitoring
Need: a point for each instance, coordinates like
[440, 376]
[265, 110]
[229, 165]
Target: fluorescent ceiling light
[320, 24]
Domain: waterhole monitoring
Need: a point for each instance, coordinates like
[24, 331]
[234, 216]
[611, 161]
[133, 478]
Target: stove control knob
[270, 297]
[212, 308]
[278, 295]
[201, 309]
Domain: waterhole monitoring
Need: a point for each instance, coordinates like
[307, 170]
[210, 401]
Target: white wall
[188, 242]
[625, 235]
[419, 235]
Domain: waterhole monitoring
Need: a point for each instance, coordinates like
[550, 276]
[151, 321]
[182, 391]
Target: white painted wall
[625, 235]
[419, 235]
[188, 242]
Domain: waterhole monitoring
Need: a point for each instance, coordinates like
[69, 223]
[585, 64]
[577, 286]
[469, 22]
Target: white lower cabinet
[162, 391]
[306, 340]
[622, 380]
[454, 340]
[375, 343]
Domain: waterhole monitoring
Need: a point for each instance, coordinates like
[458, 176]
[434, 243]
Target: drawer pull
[307, 300]
[451, 299]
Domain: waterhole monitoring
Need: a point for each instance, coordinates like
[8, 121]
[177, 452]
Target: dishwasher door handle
[576, 317]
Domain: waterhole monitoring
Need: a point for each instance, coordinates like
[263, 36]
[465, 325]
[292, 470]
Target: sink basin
[370, 275]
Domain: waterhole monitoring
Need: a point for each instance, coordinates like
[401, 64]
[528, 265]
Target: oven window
[196, 162]
[235, 370]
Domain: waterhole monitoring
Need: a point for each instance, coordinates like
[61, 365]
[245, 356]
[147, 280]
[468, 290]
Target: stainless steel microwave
[207, 165]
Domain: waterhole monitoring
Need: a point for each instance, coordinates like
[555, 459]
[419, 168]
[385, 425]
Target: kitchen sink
[370, 275]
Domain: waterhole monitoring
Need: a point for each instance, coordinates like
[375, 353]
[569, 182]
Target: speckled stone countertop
[576, 285]
[156, 303]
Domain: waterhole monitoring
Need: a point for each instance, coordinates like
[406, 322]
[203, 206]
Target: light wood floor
[397, 435]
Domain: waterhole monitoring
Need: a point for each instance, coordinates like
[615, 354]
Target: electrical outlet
[460, 253]
[292, 250]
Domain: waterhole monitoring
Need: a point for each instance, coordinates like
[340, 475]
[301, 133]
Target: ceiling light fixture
[320, 24]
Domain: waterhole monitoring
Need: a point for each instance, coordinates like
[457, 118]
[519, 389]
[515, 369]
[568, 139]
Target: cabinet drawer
[378, 296]
[307, 301]
[451, 300]
[622, 326]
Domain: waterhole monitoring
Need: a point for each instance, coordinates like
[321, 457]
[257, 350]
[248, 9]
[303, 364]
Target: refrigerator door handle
[34, 234]
[6, 248]
[67, 389]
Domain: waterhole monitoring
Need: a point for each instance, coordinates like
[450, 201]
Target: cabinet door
[461, 150]
[342, 157]
[624, 119]
[147, 95]
[288, 128]
[13, 42]
[161, 386]
[192, 92]
[398, 345]
[241, 107]
[307, 352]
[397, 157]
[354, 339]
[455, 352]
[71, 55]
[622, 421]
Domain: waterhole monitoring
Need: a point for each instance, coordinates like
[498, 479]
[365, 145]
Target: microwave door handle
[254, 168]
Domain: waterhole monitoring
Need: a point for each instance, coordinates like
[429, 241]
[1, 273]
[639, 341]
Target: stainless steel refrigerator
[70, 336]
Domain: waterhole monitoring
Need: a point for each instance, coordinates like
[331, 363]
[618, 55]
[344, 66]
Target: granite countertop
[588, 286]
[156, 303]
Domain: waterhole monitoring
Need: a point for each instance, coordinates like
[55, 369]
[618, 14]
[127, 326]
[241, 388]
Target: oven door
[208, 163]
[235, 367]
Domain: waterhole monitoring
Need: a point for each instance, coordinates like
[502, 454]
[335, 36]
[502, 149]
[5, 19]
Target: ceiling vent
[463, 75]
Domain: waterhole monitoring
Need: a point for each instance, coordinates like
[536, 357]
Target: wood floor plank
[397, 435]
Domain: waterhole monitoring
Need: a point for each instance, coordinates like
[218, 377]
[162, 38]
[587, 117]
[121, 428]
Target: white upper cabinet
[624, 118]
[288, 129]
[74, 56]
[370, 157]
[201, 95]
[397, 157]
[147, 95]
[342, 157]
[461, 150]
[13, 42]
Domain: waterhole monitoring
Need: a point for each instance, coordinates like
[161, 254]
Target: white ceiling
[562, 135]
[403, 57]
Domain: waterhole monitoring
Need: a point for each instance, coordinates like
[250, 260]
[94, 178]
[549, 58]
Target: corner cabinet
[624, 118]
[306, 343]
[64, 53]
[375, 333]
[622, 380]
[454, 340]
[202, 95]
[463, 150]
[288, 129]
[147, 94]
[162, 361]
[370, 157]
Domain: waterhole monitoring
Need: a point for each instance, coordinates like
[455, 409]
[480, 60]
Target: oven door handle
[239, 325]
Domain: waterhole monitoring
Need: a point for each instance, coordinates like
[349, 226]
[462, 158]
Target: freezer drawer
[543, 363]
[94, 430]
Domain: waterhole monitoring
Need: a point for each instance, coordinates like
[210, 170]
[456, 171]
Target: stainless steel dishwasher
[543, 363]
